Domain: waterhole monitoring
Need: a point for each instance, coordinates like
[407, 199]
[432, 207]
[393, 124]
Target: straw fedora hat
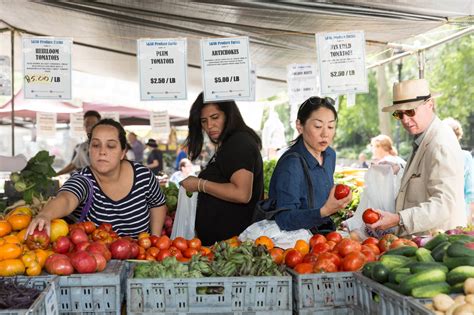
[409, 95]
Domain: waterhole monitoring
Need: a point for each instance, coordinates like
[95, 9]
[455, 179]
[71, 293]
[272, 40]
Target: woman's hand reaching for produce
[41, 222]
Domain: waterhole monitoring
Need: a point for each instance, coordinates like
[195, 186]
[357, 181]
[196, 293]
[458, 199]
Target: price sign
[47, 67]
[162, 65]
[226, 70]
[160, 122]
[76, 125]
[5, 73]
[45, 124]
[341, 58]
[302, 82]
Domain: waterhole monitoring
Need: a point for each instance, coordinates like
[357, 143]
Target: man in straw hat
[431, 189]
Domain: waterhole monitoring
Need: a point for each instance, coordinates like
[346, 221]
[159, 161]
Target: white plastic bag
[380, 191]
[185, 217]
[281, 238]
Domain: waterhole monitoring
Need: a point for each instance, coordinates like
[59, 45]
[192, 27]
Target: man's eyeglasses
[398, 114]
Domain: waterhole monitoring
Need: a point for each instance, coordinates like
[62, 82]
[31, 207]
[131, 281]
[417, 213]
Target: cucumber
[422, 278]
[461, 237]
[435, 241]
[380, 273]
[430, 290]
[438, 252]
[394, 261]
[393, 286]
[460, 274]
[422, 266]
[402, 250]
[367, 270]
[453, 262]
[424, 255]
[457, 288]
[398, 274]
[457, 249]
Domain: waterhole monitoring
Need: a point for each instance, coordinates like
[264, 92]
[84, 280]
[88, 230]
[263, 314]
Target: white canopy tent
[281, 33]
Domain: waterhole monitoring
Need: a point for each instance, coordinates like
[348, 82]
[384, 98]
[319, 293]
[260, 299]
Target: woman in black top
[232, 182]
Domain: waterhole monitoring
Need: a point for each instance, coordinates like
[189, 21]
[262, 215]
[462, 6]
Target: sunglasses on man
[398, 114]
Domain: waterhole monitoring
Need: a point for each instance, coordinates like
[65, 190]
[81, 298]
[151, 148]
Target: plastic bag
[185, 217]
[281, 238]
[380, 191]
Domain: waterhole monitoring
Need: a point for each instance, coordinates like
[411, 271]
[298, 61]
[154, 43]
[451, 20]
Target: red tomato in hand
[341, 191]
[370, 216]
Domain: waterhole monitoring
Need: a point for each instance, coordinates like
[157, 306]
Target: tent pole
[12, 32]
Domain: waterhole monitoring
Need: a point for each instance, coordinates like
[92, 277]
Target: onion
[454, 232]
[469, 232]
[421, 240]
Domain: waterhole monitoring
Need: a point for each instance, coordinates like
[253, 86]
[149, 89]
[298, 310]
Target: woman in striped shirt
[124, 194]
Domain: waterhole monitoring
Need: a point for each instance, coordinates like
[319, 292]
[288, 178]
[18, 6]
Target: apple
[59, 264]
[120, 249]
[83, 262]
[341, 191]
[38, 239]
[62, 245]
[78, 236]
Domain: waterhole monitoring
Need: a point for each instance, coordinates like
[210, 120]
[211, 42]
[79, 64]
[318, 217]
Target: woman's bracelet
[199, 184]
[204, 186]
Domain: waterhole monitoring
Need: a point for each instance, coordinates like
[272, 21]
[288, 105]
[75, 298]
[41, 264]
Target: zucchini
[402, 250]
[460, 274]
[438, 252]
[435, 241]
[430, 290]
[422, 266]
[460, 237]
[424, 255]
[453, 262]
[398, 274]
[422, 278]
[457, 249]
[394, 261]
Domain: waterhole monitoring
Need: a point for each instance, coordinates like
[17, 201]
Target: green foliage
[268, 168]
[35, 177]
